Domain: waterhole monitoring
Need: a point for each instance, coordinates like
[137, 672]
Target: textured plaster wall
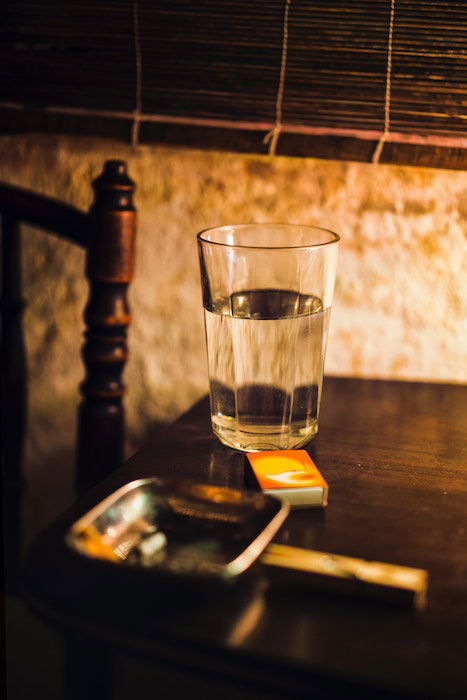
[401, 294]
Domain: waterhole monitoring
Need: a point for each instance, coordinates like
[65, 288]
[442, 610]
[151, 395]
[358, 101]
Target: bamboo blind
[381, 80]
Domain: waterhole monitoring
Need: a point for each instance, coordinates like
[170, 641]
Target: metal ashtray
[179, 528]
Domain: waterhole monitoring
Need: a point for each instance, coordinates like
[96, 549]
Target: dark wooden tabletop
[395, 458]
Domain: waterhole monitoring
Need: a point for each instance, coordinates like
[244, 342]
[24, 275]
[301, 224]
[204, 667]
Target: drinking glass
[267, 292]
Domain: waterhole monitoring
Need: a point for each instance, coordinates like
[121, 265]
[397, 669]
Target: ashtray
[179, 528]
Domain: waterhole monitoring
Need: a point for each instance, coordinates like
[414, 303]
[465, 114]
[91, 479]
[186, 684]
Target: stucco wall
[401, 292]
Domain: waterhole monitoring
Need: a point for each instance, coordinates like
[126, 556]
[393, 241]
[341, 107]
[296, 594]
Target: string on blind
[138, 77]
[273, 136]
[387, 95]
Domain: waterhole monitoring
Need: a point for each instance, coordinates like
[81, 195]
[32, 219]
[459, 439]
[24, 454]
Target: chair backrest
[107, 232]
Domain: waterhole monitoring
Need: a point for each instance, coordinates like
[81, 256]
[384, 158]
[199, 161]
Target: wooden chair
[107, 233]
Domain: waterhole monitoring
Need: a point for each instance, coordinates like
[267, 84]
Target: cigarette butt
[92, 544]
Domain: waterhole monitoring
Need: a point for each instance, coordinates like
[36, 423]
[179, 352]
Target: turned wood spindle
[109, 269]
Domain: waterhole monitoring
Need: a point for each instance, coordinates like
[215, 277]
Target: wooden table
[395, 457]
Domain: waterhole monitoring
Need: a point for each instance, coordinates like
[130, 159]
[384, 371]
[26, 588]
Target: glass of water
[267, 293]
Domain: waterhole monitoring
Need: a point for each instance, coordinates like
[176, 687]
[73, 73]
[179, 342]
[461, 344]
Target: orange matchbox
[290, 475]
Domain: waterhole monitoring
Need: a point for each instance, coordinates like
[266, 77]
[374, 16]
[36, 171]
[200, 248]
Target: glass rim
[335, 238]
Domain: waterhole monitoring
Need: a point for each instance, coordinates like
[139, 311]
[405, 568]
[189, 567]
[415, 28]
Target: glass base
[259, 438]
